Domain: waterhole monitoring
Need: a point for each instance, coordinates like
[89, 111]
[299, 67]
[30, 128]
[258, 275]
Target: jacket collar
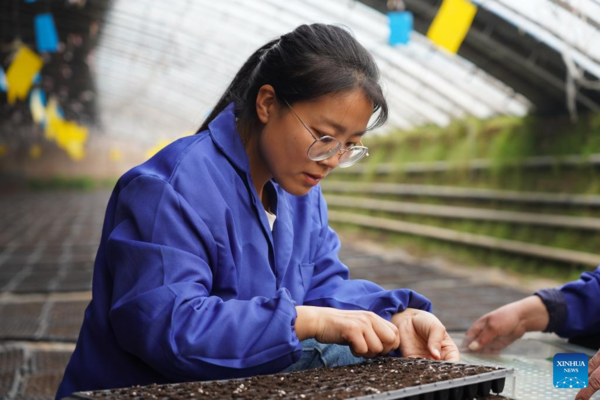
[227, 138]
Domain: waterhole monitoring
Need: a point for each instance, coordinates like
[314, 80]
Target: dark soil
[364, 379]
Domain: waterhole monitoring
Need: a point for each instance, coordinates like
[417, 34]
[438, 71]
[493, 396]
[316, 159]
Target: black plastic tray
[452, 389]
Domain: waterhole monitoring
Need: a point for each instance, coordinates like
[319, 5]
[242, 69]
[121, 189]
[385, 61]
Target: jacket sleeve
[162, 258]
[556, 305]
[583, 306]
[330, 285]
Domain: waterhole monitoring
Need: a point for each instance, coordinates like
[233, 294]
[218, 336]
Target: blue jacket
[574, 308]
[191, 284]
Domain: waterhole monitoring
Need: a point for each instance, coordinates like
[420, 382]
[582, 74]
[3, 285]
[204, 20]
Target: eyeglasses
[327, 146]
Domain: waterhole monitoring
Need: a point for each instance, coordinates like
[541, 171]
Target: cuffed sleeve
[162, 310]
[556, 304]
[582, 306]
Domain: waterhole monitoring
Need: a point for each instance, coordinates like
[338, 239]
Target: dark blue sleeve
[330, 285]
[582, 299]
[161, 257]
[556, 305]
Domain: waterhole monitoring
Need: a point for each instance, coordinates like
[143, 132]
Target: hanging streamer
[53, 117]
[401, 25]
[70, 136]
[46, 36]
[3, 83]
[451, 24]
[37, 105]
[21, 73]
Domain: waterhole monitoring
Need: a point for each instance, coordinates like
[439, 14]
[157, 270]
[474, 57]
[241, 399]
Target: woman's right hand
[366, 333]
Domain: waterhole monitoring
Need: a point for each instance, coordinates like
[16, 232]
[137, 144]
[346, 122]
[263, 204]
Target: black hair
[309, 62]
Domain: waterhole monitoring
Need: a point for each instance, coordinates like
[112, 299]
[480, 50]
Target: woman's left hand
[423, 335]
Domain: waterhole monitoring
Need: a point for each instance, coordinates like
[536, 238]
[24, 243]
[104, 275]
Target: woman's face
[284, 141]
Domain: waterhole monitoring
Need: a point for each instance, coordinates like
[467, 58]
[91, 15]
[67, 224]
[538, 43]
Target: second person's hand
[497, 329]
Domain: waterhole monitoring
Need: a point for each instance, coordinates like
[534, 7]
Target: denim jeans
[315, 354]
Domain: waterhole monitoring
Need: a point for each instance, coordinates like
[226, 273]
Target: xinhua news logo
[570, 371]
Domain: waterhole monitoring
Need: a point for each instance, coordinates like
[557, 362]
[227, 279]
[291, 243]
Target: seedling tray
[382, 378]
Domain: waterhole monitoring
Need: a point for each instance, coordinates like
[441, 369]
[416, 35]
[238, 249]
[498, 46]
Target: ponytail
[238, 88]
[309, 62]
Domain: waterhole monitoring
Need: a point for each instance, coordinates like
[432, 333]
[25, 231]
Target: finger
[357, 343]
[396, 331]
[473, 333]
[397, 341]
[594, 363]
[452, 355]
[373, 343]
[450, 351]
[593, 386]
[474, 330]
[437, 333]
[488, 333]
[388, 335]
[396, 344]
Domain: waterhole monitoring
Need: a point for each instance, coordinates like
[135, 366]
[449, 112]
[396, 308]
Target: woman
[216, 259]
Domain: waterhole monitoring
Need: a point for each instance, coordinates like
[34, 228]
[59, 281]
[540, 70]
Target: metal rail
[563, 199]
[399, 207]
[470, 239]
[474, 165]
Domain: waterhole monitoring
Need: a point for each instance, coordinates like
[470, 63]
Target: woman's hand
[366, 333]
[499, 328]
[423, 335]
